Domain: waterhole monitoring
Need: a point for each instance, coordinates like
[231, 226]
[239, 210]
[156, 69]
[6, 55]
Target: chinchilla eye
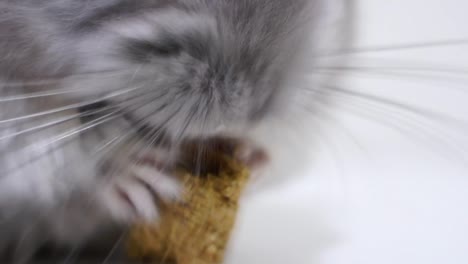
[143, 50]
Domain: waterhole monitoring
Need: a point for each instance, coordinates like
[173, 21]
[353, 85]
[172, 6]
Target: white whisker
[55, 80]
[42, 148]
[399, 47]
[114, 248]
[54, 123]
[71, 106]
[416, 123]
[462, 72]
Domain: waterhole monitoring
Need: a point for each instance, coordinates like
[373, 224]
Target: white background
[392, 187]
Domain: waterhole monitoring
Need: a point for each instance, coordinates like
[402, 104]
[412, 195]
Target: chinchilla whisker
[396, 47]
[148, 138]
[72, 253]
[110, 145]
[152, 134]
[419, 65]
[113, 144]
[462, 72]
[38, 95]
[56, 122]
[81, 129]
[188, 119]
[114, 248]
[179, 135]
[55, 80]
[202, 148]
[70, 107]
[317, 108]
[332, 148]
[416, 119]
[456, 82]
[140, 123]
[134, 100]
[137, 125]
[325, 115]
[426, 113]
[56, 142]
[426, 135]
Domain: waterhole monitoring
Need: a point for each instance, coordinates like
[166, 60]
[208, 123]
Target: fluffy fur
[90, 91]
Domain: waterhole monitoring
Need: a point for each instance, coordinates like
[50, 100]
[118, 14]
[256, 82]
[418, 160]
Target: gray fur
[199, 67]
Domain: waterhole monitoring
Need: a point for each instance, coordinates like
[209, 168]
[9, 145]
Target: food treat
[196, 229]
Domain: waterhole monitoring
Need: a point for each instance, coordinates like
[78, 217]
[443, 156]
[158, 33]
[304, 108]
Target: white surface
[393, 189]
